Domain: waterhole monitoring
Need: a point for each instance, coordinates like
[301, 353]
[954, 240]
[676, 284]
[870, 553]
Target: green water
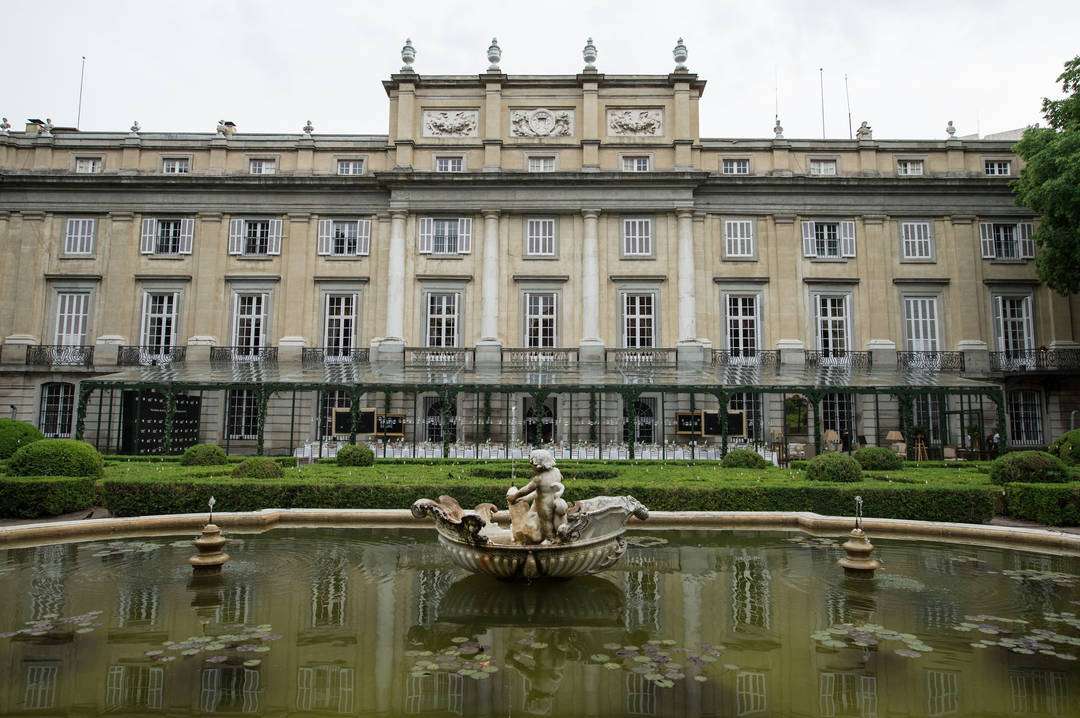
[689, 623]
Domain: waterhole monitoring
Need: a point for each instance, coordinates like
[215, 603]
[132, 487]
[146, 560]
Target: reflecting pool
[376, 621]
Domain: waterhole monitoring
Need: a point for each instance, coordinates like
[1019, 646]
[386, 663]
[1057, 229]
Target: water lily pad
[612, 666]
[600, 658]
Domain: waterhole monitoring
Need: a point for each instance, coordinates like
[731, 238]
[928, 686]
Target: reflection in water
[378, 622]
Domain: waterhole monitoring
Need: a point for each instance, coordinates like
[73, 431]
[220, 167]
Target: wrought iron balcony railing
[728, 357]
[243, 355]
[538, 359]
[58, 355]
[641, 358]
[321, 356]
[441, 358]
[1035, 360]
[853, 360]
[149, 355]
[931, 361]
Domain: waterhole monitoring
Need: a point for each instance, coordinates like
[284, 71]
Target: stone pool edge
[1009, 536]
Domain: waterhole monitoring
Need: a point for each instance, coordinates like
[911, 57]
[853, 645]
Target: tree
[1050, 184]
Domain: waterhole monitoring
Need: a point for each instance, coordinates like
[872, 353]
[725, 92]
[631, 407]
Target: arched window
[57, 407]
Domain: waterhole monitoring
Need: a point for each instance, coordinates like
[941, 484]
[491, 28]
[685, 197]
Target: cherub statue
[540, 521]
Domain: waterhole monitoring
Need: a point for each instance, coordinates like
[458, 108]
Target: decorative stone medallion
[451, 123]
[542, 123]
[635, 123]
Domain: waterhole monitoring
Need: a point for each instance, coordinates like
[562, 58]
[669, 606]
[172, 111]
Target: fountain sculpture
[547, 536]
[859, 560]
[210, 558]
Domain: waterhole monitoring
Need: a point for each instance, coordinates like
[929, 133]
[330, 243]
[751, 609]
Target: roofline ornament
[408, 56]
[680, 53]
[494, 54]
[589, 54]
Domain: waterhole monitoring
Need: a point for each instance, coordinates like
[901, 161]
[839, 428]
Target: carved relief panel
[635, 123]
[542, 123]
[451, 123]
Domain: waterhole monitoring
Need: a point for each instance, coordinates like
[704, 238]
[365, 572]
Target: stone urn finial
[680, 53]
[950, 129]
[308, 128]
[408, 55]
[589, 53]
[494, 54]
[778, 130]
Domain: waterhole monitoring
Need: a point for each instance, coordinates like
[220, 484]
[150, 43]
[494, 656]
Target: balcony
[640, 358]
[243, 355]
[836, 358]
[312, 357]
[149, 355]
[931, 361]
[440, 358]
[57, 355]
[1035, 360]
[753, 357]
[538, 359]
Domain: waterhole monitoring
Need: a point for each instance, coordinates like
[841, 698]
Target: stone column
[689, 348]
[592, 346]
[393, 343]
[489, 348]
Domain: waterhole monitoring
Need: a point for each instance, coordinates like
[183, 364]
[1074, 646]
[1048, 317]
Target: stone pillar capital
[399, 213]
[491, 213]
[590, 213]
[684, 212]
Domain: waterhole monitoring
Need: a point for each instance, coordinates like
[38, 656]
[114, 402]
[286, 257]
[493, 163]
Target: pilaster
[590, 125]
[395, 278]
[405, 136]
[592, 346]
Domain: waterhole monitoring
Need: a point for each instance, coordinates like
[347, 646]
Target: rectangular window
[249, 322]
[736, 167]
[79, 236]
[750, 695]
[339, 330]
[1007, 241]
[262, 166]
[450, 164]
[1005, 244]
[909, 168]
[540, 238]
[637, 237]
[540, 319]
[1025, 418]
[1013, 324]
[242, 421]
[828, 240]
[639, 321]
[916, 240]
[168, 237]
[997, 168]
[40, 685]
[350, 167]
[72, 312]
[57, 406]
[542, 163]
[445, 237]
[920, 316]
[257, 236]
[159, 322]
[442, 319]
[832, 324]
[636, 163]
[942, 693]
[742, 325]
[836, 415]
[823, 168]
[344, 238]
[88, 165]
[739, 237]
[175, 165]
[131, 687]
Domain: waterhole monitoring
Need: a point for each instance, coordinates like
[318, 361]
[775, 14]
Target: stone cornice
[831, 280]
[727, 279]
[921, 280]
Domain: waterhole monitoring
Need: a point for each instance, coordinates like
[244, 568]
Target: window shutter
[149, 236]
[275, 237]
[999, 329]
[808, 240]
[363, 237]
[236, 236]
[729, 238]
[187, 231]
[145, 319]
[464, 235]
[326, 229]
[816, 299]
[748, 236]
[847, 239]
[1027, 243]
[986, 232]
[264, 325]
[427, 229]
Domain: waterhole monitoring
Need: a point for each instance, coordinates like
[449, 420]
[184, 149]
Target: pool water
[376, 621]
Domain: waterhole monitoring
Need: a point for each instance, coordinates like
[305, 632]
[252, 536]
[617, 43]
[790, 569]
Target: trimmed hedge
[204, 455]
[1050, 504]
[16, 434]
[56, 457]
[877, 458]
[258, 467]
[523, 473]
[833, 466]
[1066, 447]
[355, 455]
[40, 496]
[1028, 467]
[745, 459]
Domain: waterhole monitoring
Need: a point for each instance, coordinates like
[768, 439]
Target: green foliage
[355, 455]
[1049, 184]
[799, 464]
[258, 467]
[204, 455]
[56, 457]
[833, 466]
[37, 497]
[1050, 504]
[877, 458]
[1028, 466]
[16, 434]
[1067, 447]
[745, 459]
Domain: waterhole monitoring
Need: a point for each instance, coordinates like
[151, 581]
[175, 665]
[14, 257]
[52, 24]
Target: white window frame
[167, 318]
[341, 325]
[442, 328]
[72, 317]
[262, 165]
[351, 164]
[1026, 427]
[540, 236]
[337, 234]
[238, 236]
[89, 165]
[39, 681]
[428, 237]
[150, 242]
[639, 322]
[541, 315]
[637, 237]
[739, 239]
[56, 409]
[175, 165]
[1022, 240]
[1019, 325]
[541, 163]
[922, 322]
[845, 240]
[992, 167]
[819, 167]
[842, 322]
[241, 412]
[906, 167]
[79, 236]
[636, 163]
[737, 166]
[449, 163]
[736, 323]
[256, 314]
[917, 240]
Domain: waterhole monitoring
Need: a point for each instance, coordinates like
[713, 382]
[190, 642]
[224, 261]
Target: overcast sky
[269, 66]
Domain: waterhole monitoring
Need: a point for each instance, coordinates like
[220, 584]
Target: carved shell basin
[590, 541]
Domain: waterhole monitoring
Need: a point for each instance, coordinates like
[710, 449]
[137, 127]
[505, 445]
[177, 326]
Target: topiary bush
[1035, 467]
[1066, 447]
[799, 464]
[355, 455]
[41, 496]
[1050, 504]
[833, 466]
[16, 434]
[204, 455]
[56, 457]
[745, 459]
[258, 467]
[878, 458]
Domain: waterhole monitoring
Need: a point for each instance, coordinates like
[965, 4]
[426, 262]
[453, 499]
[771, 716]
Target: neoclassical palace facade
[529, 259]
